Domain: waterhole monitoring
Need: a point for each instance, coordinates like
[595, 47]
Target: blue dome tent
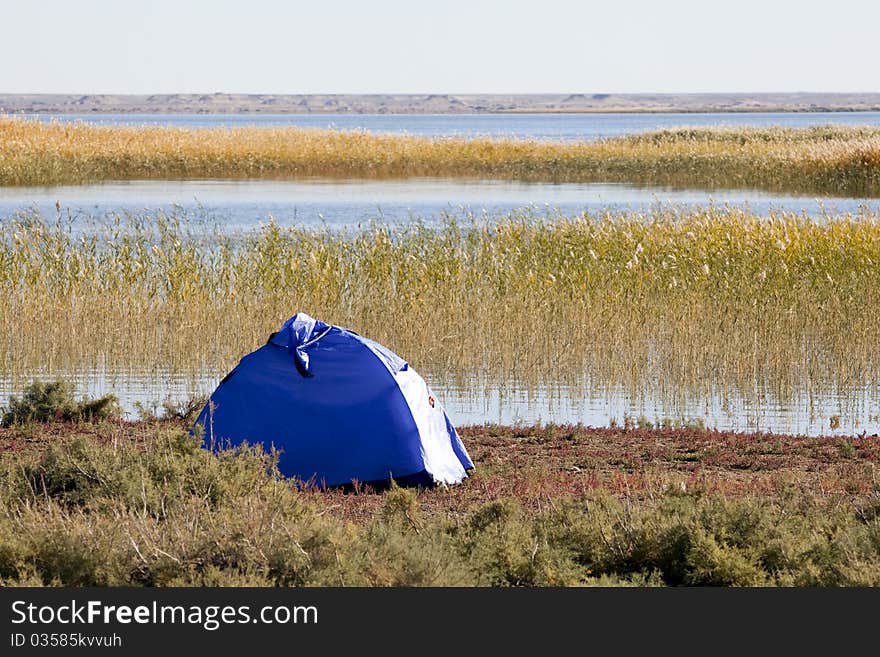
[339, 408]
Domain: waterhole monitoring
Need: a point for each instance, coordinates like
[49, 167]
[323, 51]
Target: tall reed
[699, 301]
[828, 160]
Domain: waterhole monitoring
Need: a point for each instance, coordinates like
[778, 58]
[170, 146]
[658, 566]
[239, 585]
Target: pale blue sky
[454, 46]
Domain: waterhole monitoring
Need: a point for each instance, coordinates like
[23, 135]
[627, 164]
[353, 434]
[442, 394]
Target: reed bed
[696, 302]
[827, 160]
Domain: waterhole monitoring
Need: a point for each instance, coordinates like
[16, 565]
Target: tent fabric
[340, 408]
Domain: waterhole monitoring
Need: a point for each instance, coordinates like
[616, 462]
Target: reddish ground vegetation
[537, 464]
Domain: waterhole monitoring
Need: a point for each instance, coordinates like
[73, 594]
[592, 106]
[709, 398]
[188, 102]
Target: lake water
[242, 205]
[565, 127]
[479, 402]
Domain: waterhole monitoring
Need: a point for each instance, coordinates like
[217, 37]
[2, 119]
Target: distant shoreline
[437, 103]
[781, 110]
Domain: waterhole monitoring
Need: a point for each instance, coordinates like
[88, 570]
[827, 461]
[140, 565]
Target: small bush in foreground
[53, 401]
[186, 410]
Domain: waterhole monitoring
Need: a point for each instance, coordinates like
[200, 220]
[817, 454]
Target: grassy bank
[711, 300]
[140, 504]
[829, 160]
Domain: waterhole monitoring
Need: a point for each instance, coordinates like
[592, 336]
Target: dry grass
[716, 301]
[837, 161]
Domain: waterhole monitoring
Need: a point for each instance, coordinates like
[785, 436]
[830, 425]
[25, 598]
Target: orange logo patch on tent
[431, 400]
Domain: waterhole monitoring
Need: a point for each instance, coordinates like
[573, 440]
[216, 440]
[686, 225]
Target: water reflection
[241, 205]
[477, 401]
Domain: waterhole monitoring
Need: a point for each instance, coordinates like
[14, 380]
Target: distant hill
[221, 103]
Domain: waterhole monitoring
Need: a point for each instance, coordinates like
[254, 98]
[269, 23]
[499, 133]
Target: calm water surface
[478, 402]
[565, 127]
[242, 205]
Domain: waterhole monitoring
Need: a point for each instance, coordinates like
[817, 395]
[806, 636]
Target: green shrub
[186, 410]
[157, 510]
[53, 401]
